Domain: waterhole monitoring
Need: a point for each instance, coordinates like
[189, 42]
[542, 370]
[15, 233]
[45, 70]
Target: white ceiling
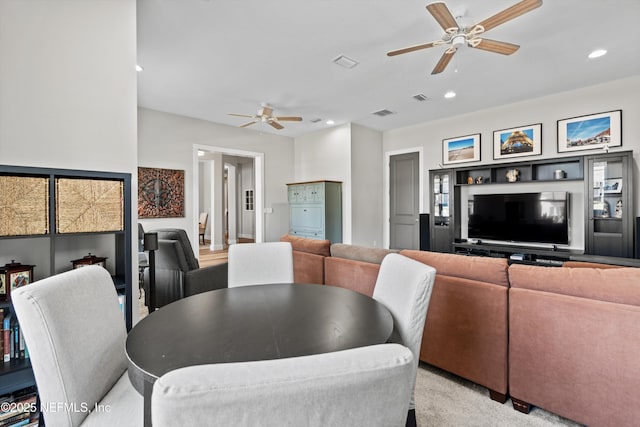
[207, 58]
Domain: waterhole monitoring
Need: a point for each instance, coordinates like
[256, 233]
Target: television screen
[520, 217]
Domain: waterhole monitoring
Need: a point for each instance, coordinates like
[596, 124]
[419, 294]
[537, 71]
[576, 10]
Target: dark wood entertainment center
[608, 206]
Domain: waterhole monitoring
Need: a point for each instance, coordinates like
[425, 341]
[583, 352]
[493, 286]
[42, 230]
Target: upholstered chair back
[366, 386]
[260, 263]
[404, 286]
[75, 332]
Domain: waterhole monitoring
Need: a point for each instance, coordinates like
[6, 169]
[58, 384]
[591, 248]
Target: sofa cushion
[359, 253]
[358, 276]
[304, 244]
[308, 268]
[618, 285]
[482, 269]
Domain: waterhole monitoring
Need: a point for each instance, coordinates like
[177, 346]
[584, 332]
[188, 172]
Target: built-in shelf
[565, 169]
[52, 253]
[607, 181]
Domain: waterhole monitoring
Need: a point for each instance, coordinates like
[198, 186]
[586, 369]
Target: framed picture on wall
[160, 193]
[461, 149]
[602, 130]
[517, 142]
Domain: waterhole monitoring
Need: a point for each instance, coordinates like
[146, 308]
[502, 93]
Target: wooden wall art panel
[160, 193]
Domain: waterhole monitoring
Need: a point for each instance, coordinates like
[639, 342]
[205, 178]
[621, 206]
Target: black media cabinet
[537, 255]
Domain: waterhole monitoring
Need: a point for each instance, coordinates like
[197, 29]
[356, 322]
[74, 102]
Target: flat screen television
[520, 217]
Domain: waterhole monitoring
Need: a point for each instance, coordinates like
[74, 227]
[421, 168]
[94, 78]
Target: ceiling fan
[456, 36]
[265, 115]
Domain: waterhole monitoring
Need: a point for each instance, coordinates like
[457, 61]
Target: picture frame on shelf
[612, 186]
[519, 141]
[461, 149]
[590, 132]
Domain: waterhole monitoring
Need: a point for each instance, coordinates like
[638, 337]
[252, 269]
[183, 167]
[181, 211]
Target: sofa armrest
[206, 279]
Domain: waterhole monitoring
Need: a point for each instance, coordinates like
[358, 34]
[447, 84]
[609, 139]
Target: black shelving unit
[605, 234]
[17, 374]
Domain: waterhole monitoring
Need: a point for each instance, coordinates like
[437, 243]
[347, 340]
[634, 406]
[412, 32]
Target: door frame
[258, 162]
[386, 229]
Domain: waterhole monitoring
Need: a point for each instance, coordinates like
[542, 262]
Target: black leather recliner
[178, 273]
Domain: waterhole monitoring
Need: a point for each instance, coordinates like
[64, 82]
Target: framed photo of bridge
[602, 130]
[521, 141]
[461, 149]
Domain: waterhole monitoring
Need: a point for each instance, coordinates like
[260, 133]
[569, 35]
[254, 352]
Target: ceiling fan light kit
[457, 36]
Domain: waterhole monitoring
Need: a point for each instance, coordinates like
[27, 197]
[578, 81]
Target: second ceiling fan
[456, 36]
[265, 115]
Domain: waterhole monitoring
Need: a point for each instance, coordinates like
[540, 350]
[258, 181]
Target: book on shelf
[12, 343]
[6, 332]
[23, 411]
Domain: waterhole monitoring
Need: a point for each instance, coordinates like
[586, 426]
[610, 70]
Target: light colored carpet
[446, 400]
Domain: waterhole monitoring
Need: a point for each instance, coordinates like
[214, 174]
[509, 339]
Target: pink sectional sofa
[466, 330]
[574, 342]
[308, 258]
[353, 267]
[566, 339]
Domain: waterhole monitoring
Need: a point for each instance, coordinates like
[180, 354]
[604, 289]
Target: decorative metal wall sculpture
[160, 193]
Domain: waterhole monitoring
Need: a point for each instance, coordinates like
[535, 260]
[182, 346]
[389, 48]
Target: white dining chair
[404, 286]
[365, 386]
[75, 332]
[260, 263]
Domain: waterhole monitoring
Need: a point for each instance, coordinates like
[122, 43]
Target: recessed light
[597, 53]
[330, 122]
[450, 94]
[139, 68]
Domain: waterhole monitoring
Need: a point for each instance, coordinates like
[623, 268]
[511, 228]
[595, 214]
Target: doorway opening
[222, 177]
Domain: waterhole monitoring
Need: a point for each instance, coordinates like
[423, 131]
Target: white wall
[615, 95]
[167, 141]
[366, 186]
[68, 91]
[326, 155]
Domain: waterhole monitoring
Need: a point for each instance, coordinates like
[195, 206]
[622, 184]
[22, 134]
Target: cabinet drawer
[307, 217]
[308, 234]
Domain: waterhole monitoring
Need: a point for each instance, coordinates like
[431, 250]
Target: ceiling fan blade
[267, 111]
[275, 124]
[240, 115]
[410, 49]
[444, 61]
[289, 119]
[441, 13]
[495, 46]
[510, 13]
[248, 124]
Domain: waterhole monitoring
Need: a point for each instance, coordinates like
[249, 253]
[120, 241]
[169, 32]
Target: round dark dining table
[251, 323]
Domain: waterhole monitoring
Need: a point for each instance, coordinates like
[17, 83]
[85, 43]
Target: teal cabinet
[315, 210]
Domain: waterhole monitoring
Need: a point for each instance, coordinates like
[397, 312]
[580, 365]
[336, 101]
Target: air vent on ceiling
[345, 61]
[383, 113]
[421, 97]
